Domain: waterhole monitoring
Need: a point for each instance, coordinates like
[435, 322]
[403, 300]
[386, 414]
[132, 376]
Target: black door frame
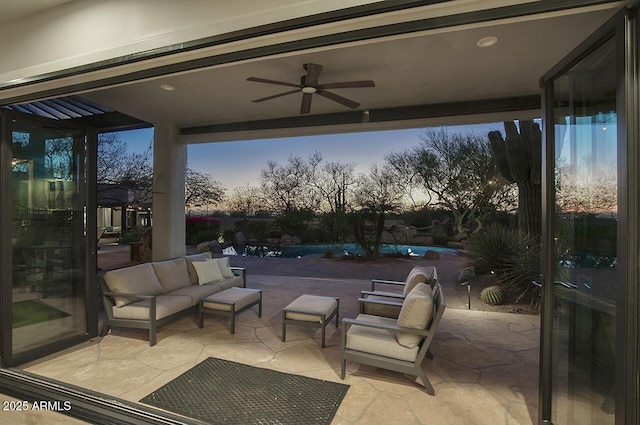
[91, 294]
[624, 28]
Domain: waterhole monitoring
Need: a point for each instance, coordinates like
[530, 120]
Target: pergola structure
[191, 69]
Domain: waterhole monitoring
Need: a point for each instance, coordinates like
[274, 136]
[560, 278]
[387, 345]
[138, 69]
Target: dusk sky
[237, 163]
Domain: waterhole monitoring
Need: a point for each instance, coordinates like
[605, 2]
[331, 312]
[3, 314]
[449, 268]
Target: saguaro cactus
[519, 158]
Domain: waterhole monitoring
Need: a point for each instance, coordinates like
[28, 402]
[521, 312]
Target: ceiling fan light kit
[309, 86]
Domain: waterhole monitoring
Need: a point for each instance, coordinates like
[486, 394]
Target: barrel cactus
[493, 295]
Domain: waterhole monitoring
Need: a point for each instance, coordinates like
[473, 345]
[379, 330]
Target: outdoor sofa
[148, 295]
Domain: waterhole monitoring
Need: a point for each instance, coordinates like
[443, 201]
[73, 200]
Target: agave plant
[513, 257]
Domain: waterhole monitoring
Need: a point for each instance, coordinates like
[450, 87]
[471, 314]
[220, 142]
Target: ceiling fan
[309, 85]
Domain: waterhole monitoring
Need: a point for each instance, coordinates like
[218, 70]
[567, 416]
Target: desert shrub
[203, 236]
[258, 230]
[198, 228]
[228, 235]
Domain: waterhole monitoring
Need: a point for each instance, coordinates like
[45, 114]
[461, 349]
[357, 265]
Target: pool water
[296, 251]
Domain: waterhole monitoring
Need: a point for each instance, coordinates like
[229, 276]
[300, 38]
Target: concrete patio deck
[484, 371]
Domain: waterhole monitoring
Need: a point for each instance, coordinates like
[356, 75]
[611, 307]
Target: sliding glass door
[48, 238]
[587, 219]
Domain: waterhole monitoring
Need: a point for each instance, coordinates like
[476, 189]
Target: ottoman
[312, 311]
[231, 302]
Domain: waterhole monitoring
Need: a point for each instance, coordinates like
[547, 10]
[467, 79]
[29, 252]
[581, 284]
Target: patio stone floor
[485, 366]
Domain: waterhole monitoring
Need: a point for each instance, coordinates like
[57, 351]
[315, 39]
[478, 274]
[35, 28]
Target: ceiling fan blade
[280, 83]
[305, 107]
[349, 84]
[341, 100]
[313, 73]
[277, 95]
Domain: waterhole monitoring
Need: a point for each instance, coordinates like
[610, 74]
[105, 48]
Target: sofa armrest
[134, 296]
[241, 271]
[386, 282]
[151, 298]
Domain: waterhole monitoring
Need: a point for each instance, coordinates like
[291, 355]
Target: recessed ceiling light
[487, 41]
[167, 87]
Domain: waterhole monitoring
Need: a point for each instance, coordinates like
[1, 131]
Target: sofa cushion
[208, 271]
[192, 271]
[416, 275]
[416, 313]
[172, 274]
[140, 279]
[225, 268]
[165, 306]
[378, 341]
[196, 292]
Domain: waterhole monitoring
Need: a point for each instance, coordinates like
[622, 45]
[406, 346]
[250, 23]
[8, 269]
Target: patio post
[169, 166]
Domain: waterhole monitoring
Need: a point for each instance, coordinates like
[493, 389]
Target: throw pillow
[225, 269]
[416, 313]
[208, 271]
[190, 260]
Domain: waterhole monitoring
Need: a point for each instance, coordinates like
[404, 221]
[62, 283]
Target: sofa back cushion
[140, 279]
[208, 271]
[190, 259]
[172, 274]
[416, 275]
[416, 313]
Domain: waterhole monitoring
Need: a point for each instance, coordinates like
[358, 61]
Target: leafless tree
[202, 189]
[459, 172]
[287, 187]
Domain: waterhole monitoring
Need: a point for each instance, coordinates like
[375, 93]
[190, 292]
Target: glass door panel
[48, 228]
[585, 229]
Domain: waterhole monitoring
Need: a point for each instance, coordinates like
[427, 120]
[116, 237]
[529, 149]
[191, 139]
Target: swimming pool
[296, 251]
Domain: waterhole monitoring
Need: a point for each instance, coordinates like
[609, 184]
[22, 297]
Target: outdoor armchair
[388, 304]
[398, 345]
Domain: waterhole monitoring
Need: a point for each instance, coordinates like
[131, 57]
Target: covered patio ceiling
[426, 62]
[431, 77]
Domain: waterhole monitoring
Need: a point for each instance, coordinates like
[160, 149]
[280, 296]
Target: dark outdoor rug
[29, 312]
[223, 392]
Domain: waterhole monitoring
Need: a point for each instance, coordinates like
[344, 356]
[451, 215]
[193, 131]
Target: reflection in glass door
[48, 233]
[585, 240]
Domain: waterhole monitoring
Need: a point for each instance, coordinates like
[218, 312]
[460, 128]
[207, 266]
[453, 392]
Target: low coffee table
[230, 301]
[312, 311]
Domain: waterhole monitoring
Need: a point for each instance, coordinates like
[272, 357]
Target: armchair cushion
[382, 342]
[172, 274]
[190, 259]
[416, 313]
[139, 279]
[208, 271]
[416, 275]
